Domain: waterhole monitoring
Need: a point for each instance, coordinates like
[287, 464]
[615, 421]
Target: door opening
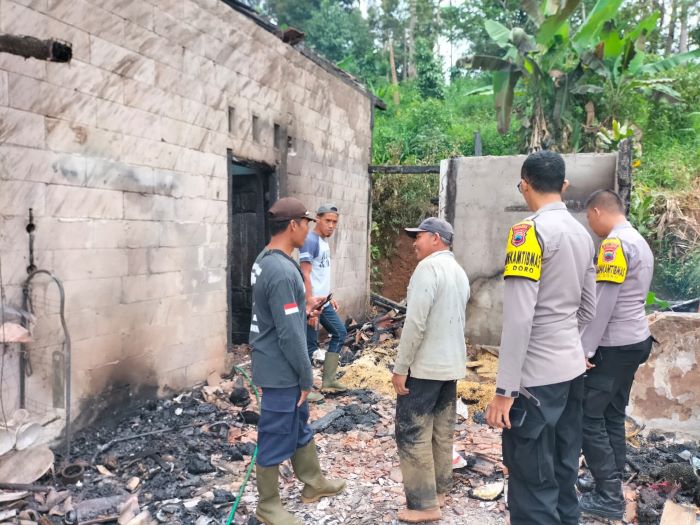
[251, 192]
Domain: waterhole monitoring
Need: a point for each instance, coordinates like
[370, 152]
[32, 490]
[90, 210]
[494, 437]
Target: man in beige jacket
[432, 357]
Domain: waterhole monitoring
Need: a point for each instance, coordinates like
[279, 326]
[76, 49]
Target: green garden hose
[255, 452]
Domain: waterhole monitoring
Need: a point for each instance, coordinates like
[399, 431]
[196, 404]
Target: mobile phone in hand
[323, 303]
[517, 417]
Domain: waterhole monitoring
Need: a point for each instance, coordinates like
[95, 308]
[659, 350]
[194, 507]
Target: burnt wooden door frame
[252, 188]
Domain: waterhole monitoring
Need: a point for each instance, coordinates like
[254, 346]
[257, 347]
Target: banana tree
[559, 68]
[545, 64]
[616, 65]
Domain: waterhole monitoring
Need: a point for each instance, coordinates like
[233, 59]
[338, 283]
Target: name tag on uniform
[611, 266]
[523, 252]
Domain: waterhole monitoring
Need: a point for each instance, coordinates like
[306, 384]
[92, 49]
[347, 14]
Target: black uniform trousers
[542, 456]
[607, 391]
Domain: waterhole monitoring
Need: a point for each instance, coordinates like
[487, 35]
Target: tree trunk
[683, 41]
[394, 78]
[411, 40]
[660, 6]
[671, 28]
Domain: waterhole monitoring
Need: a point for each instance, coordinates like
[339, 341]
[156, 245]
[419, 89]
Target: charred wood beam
[449, 210]
[30, 47]
[384, 302]
[398, 170]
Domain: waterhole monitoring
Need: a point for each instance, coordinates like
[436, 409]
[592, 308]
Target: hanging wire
[4, 346]
[66, 348]
[232, 514]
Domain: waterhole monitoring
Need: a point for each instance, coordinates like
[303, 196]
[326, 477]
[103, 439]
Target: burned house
[148, 161]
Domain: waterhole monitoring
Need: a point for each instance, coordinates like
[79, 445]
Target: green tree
[557, 64]
[431, 83]
[343, 36]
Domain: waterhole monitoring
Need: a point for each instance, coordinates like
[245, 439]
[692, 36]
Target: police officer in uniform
[281, 367]
[616, 343]
[549, 296]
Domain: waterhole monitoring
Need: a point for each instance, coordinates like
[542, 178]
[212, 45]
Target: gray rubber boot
[330, 367]
[270, 510]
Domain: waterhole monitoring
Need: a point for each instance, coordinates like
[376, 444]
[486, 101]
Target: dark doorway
[251, 192]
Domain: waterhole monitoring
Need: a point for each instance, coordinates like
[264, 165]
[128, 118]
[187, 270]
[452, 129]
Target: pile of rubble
[184, 460]
[176, 460]
[372, 369]
[371, 349]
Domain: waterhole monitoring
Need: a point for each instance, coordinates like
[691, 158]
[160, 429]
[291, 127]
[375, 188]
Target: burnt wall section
[665, 395]
[122, 154]
[482, 193]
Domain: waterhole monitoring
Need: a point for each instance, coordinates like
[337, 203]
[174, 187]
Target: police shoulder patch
[523, 252]
[611, 266]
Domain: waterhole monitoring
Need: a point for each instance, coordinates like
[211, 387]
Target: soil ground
[396, 271]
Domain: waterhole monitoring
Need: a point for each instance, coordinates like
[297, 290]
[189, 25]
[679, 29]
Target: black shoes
[606, 501]
[585, 483]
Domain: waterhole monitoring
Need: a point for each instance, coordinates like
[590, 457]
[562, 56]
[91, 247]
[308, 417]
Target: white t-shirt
[317, 252]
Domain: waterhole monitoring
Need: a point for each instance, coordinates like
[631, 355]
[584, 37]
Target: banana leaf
[551, 24]
[532, 8]
[587, 89]
[613, 44]
[498, 32]
[671, 62]
[666, 92]
[504, 87]
[490, 63]
[636, 63]
[587, 35]
[644, 28]
[591, 60]
[483, 90]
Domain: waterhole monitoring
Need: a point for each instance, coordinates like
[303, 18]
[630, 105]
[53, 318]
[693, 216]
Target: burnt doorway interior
[251, 192]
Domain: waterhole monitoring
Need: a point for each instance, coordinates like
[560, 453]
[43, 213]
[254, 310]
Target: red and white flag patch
[291, 308]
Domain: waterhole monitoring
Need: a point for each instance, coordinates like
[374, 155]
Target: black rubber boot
[585, 483]
[606, 502]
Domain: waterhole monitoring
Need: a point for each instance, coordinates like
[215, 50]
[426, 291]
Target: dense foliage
[576, 75]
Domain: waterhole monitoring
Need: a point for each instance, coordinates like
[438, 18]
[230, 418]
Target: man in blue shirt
[315, 258]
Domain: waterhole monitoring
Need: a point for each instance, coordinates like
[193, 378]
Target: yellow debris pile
[373, 370]
[476, 395]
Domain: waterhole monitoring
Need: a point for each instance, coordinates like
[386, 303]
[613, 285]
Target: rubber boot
[585, 483]
[606, 501]
[314, 397]
[330, 367]
[270, 510]
[308, 470]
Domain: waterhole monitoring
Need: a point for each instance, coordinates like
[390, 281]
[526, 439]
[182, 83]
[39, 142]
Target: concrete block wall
[479, 196]
[122, 155]
[665, 395]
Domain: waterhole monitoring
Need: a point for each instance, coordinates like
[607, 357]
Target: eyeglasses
[520, 189]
